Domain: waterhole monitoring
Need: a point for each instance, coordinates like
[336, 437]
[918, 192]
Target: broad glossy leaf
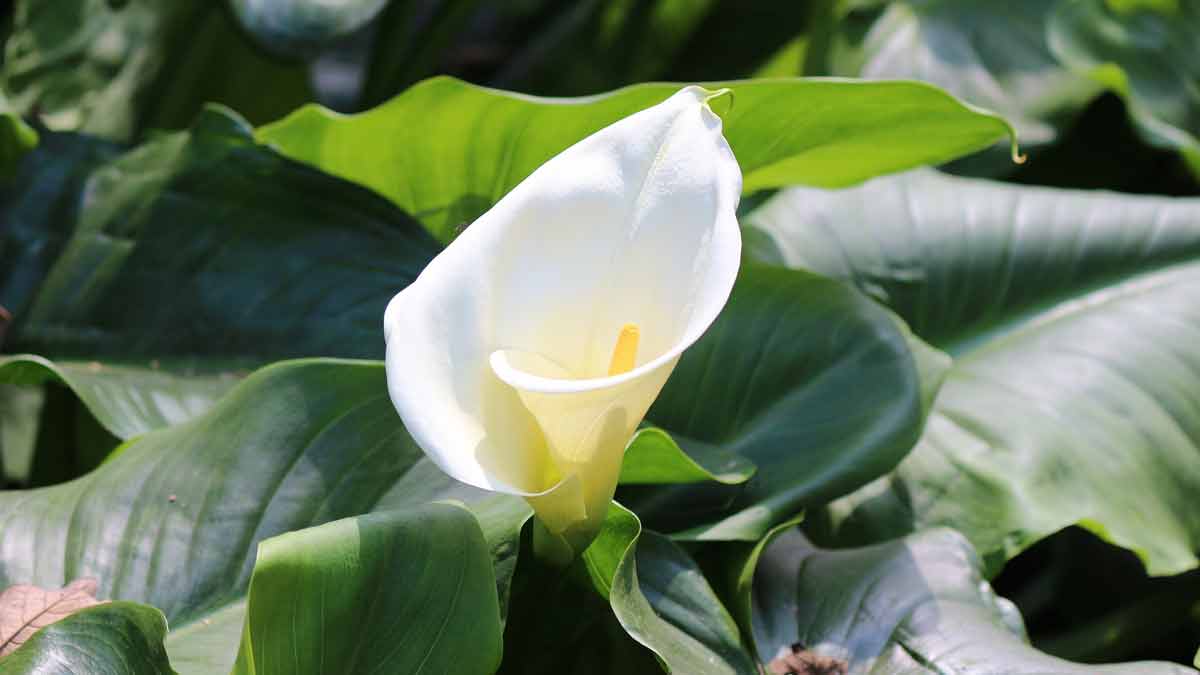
[300, 28]
[803, 376]
[167, 259]
[127, 400]
[654, 589]
[1072, 316]
[87, 65]
[398, 591]
[198, 299]
[915, 605]
[991, 53]
[1145, 51]
[453, 149]
[39, 206]
[653, 457]
[149, 268]
[173, 520]
[118, 638]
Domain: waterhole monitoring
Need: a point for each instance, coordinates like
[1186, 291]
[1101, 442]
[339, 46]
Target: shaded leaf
[916, 605]
[127, 400]
[166, 260]
[25, 609]
[652, 588]
[399, 591]
[115, 638]
[992, 53]
[1073, 397]
[39, 206]
[439, 166]
[174, 518]
[85, 65]
[1147, 53]
[804, 377]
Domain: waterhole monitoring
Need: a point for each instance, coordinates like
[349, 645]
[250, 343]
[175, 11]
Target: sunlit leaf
[1071, 315]
[453, 149]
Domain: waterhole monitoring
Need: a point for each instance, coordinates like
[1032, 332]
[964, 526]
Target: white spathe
[498, 354]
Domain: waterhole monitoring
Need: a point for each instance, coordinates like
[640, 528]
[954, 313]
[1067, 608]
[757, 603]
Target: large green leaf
[89, 65]
[629, 583]
[399, 592]
[194, 295]
[173, 520]
[445, 151]
[167, 259]
[992, 53]
[126, 400]
[1072, 316]
[803, 376]
[39, 206]
[916, 605]
[1147, 52]
[119, 638]
[147, 268]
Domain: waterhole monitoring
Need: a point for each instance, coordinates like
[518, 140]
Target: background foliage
[978, 386]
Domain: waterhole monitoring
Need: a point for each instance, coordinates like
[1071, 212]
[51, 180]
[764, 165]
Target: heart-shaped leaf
[439, 166]
[1072, 319]
[803, 376]
[175, 517]
[397, 591]
[916, 605]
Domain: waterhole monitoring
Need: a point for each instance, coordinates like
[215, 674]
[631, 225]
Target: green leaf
[39, 206]
[734, 567]
[118, 638]
[916, 605]
[126, 400]
[16, 137]
[991, 53]
[801, 375]
[174, 519]
[1071, 315]
[653, 457]
[654, 590]
[116, 72]
[399, 591]
[202, 302]
[438, 166]
[20, 408]
[1144, 51]
[147, 268]
[166, 261]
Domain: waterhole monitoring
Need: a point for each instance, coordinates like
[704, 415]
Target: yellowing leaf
[25, 609]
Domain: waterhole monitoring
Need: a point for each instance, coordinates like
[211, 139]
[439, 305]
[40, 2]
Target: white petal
[634, 224]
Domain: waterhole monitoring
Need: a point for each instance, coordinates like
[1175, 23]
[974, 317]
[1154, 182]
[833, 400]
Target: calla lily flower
[525, 355]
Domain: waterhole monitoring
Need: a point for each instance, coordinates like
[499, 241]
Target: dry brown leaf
[24, 609]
